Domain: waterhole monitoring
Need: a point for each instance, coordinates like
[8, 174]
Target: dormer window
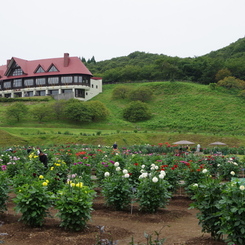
[16, 71]
[39, 70]
[52, 69]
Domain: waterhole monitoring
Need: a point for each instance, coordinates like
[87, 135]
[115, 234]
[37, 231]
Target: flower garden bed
[141, 190]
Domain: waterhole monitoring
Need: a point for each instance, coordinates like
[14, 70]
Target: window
[17, 83]
[7, 85]
[41, 93]
[53, 80]
[28, 82]
[80, 93]
[40, 81]
[17, 72]
[52, 69]
[75, 79]
[54, 92]
[80, 79]
[40, 69]
[66, 79]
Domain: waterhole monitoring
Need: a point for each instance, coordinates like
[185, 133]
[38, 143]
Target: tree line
[140, 66]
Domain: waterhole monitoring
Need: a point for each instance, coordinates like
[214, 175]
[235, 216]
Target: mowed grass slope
[181, 110]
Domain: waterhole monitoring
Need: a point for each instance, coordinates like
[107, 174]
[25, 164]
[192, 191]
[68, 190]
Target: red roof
[75, 66]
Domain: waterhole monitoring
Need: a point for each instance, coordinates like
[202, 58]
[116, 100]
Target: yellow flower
[72, 184]
[41, 177]
[52, 168]
[19, 190]
[57, 164]
[45, 183]
[47, 180]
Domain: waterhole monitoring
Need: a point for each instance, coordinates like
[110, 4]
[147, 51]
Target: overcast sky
[107, 29]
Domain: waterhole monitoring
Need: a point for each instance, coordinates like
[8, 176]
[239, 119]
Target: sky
[108, 29]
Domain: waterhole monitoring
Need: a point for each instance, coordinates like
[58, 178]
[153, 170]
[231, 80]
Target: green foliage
[17, 110]
[120, 92]
[232, 82]
[41, 112]
[33, 201]
[152, 192]
[221, 74]
[117, 190]
[137, 111]
[143, 94]
[98, 110]
[58, 108]
[206, 195]
[78, 111]
[4, 189]
[74, 203]
[231, 211]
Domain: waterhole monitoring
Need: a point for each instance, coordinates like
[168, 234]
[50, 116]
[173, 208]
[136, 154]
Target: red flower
[136, 164]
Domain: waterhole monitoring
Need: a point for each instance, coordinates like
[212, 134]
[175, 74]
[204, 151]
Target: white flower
[106, 174]
[142, 170]
[126, 175]
[125, 171]
[195, 185]
[118, 168]
[116, 164]
[152, 168]
[143, 166]
[161, 176]
[155, 179]
[235, 163]
[143, 175]
[232, 173]
[105, 155]
[205, 171]
[156, 167]
[242, 187]
[162, 172]
[218, 164]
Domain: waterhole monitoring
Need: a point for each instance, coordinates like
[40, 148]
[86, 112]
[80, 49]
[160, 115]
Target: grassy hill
[181, 110]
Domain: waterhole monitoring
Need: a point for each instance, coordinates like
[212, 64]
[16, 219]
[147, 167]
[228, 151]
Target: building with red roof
[62, 78]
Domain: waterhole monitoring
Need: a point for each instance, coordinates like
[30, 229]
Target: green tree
[143, 94]
[221, 74]
[120, 92]
[58, 108]
[17, 111]
[41, 112]
[98, 110]
[137, 111]
[77, 111]
[232, 82]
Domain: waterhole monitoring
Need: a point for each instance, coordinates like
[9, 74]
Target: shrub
[4, 189]
[152, 192]
[143, 94]
[33, 201]
[137, 111]
[120, 92]
[232, 211]
[117, 190]
[74, 203]
[206, 196]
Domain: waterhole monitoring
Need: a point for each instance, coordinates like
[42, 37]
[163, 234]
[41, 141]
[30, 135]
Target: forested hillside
[140, 66]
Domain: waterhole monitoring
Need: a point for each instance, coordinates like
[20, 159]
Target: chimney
[66, 59]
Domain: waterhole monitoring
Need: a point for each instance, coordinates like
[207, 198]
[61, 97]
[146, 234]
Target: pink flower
[4, 167]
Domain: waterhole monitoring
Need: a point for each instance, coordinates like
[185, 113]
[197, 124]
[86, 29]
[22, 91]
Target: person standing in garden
[44, 159]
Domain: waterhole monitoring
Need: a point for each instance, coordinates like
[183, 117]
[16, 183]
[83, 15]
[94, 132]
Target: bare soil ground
[176, 223]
